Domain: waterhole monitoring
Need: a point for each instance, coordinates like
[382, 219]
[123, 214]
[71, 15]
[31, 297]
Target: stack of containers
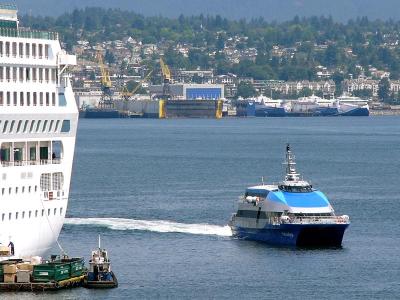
[10, 272]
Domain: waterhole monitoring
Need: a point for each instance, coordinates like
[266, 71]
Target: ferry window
[46, 75]
[1, 48]
[61, 210]
[40, 75]
[40, 50]
[29, 189]
[1, 98]
[32, 126]
[28, 74]
[15, 99]
[3, 216]
[8, 48]
[2, 191]
[45, 182]
[58, 181]
[14, 74]
[21, 99]
[19, 126]
[46, 51]
[21, 74]
[42, 212]
[51, 125]
[16, 190]
[8, 98]
[21, 49]
[28, 98]
[53, 99]
[36, 214]
[14, 49]
[47, 99]
[44, 126]
[41, 98]
[9, 190]
[55, 211]
[27, 49]
[9, 216]
[29, 214]
[34, 74]
[12, 126]
[66, 126]
[35, 188]
[23, 189]
[1, 73]
[34, 50]
[44, 153]
[57, 149]
[38, 125]
[8, 73]
[23, 214]
[48, 212]
[5, 126]
[26, 125]
[62, 101]
[16, 216]
[34, 98]
[57, 125]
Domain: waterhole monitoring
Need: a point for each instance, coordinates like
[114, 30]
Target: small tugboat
[291, 213]
[100, 275]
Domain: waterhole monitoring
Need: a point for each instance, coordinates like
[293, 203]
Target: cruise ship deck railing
[30, 34]
[54, 161]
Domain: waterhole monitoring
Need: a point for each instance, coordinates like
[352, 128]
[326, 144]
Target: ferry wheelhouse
[38, 122]
[290, 213]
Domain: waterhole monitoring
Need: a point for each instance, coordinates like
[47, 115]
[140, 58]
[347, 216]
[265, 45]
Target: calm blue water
[154, 185]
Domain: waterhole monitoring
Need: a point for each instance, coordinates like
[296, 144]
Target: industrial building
[186, 91]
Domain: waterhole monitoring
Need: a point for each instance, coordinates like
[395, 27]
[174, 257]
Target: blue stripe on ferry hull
[357, 112]
[295, 234]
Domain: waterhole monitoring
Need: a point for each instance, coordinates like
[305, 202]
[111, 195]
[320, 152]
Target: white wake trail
[152, 225]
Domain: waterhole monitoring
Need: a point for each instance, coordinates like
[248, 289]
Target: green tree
[245, 90]
[384, 90]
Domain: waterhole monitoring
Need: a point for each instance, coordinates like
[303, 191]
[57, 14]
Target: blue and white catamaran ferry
[290, 213]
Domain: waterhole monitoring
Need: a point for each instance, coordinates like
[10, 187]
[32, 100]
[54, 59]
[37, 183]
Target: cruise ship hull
[302, 235]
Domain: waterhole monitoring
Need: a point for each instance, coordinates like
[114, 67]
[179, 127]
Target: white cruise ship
[38, 123]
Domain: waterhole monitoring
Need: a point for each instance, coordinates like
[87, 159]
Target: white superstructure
[38, 123]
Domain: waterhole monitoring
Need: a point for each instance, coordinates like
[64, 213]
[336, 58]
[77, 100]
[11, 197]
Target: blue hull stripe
[295, 234]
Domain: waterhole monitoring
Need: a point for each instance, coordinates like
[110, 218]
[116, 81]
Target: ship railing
[26, 33]
[16, 163]
[316, 220]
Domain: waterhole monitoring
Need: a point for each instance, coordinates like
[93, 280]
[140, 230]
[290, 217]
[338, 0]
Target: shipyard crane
[106, 97]
[126, 94]
[167, 79]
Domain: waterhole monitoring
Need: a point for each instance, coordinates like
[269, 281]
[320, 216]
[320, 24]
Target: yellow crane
[126, 94]
[105, 80]
[167, 79]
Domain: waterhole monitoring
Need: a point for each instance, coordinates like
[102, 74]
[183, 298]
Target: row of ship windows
[30, 214]
[36, 126]
[23, 190]
[25, 74]
[20, 49]
[31, 99]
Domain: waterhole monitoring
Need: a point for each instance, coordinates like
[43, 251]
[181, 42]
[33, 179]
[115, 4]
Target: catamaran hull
[302, 235]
